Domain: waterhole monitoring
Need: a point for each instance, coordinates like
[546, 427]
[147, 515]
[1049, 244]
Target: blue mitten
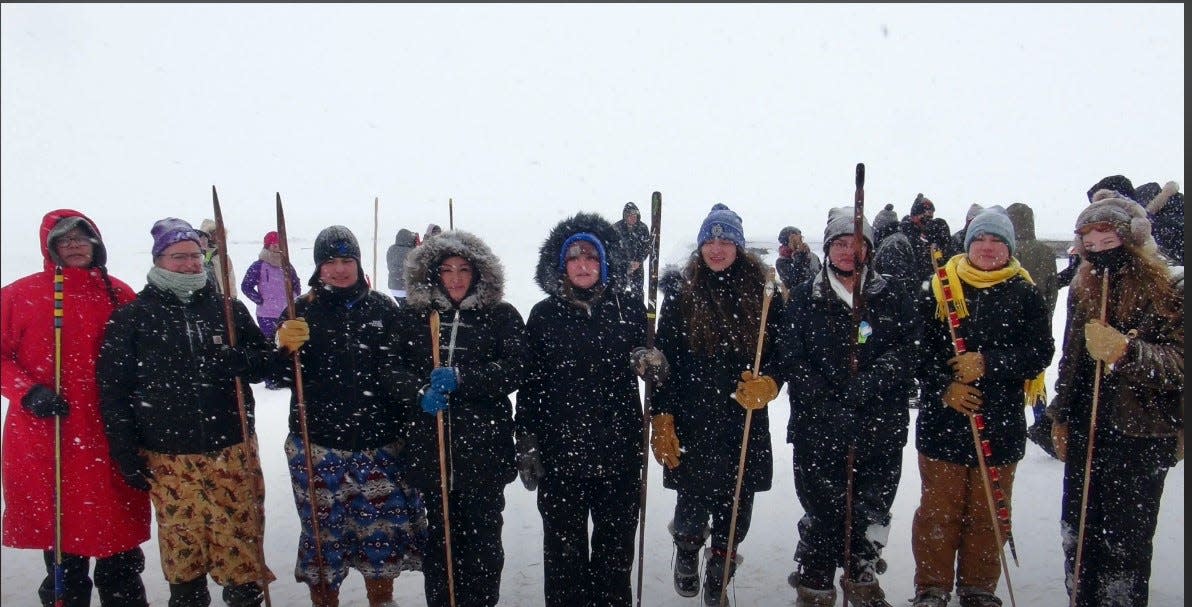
[443, 379]
[433, 401]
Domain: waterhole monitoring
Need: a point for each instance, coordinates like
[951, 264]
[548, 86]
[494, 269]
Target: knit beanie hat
[885, 217]
[169, 231]
[992, 221]
[1127, 218]
[721, 222]
[271, 238]
[565, 252]
[99, 253]
[335, 241]
[840, 223]
[1117, 183]
[784, 236]
[974, 210]
[921, 205]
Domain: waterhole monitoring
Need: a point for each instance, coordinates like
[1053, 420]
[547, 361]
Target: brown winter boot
[380, 592]
[322, 595]
[864, 592]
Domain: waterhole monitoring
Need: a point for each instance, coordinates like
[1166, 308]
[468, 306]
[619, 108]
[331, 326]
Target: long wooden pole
[651, 317]
[249, 442]
[1088, 457]
[300, 398]
[434, 348]
[769, 289]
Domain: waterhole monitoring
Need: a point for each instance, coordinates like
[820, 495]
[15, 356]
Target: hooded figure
[395, 259]
[212, 260]
[482, 353]
[635, 240]
[833, 408]
[579, 437]
[708, 330]
[265, 284]
[103, 517]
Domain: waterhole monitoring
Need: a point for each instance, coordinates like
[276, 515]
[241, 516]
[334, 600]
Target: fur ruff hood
[549, 277]
[422, 272]
[1156, 204]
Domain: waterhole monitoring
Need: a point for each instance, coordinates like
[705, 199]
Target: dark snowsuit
[580, 401]
[1139, 426]
[830, 409]
[483, 337]
[635, 243]
[796, 268]
[905, 256]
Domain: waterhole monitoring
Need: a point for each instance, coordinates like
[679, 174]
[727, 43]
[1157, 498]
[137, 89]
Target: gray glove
[649, 364]
[529, 461]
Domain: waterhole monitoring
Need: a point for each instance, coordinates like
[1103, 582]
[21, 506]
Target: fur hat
[721, 222]
[208, 228]
[840, 223]
[921, 205]
[992, 221]
[169, 231]
[66, 224]
[1127, 217]
[422, 272]
[1117, 183]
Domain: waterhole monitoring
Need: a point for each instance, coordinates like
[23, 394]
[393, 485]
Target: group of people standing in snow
[403, 434]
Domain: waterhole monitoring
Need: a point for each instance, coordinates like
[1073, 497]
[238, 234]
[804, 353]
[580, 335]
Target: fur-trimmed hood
[422, 272]
[1128, 217]
[549, 277]
[1157, 203]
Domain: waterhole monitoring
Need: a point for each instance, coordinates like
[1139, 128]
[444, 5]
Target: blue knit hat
[722, 222]
[595, 242]
[993, 221]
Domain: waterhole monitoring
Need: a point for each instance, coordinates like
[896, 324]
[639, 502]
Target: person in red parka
[102, 517]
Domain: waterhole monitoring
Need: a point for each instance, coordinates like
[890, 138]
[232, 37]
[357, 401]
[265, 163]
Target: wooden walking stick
[858, 311]
[434, 348]
[249, 442]
[450, 214]
[300, 398]
[59, 573]
[1088, 457]
[768, 291]
[651, 316]
[999, 515]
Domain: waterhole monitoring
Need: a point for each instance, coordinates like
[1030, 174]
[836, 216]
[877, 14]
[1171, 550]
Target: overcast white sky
[526, 113]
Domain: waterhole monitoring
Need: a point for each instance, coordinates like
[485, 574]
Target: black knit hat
[332, 242]
[1117, 183]
[921, 205]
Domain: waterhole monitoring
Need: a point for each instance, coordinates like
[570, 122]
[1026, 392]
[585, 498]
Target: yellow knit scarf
[959, 272]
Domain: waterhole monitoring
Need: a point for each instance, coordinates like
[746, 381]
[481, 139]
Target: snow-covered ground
[767, 550]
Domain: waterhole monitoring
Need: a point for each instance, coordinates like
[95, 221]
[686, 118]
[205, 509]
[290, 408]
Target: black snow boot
[190, 594]
[118, 579]
[687, 561]
[714, 576]
[248, 594]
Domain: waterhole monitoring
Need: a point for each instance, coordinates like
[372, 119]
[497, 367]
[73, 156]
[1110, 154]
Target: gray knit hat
[992, 221]
[1127, 217]
[840, 223]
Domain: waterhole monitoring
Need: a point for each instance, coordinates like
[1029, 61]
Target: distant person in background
[939, 234]
[796, 263]
[958, 237]
[636, 241]
[103, 518]
[213, 260]
[905, 255]
[1140, 412]
[265, 285]
[432, 229]
[1166, 208]
[885, 223]
[1038, 260]
[395, 258]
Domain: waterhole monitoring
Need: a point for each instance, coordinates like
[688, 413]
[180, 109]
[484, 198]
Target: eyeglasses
[184, 257]
[73, 241]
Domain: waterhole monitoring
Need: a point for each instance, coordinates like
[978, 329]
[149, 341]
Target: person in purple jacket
[264, 284]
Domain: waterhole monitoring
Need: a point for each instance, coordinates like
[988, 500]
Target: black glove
[134, 469]
[232, 362]
[44, 402]
[529, 461]
[649, 364]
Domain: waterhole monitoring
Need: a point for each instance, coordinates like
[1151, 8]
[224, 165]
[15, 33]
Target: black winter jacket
[1009, 325]
[161, 381]
[348, 368]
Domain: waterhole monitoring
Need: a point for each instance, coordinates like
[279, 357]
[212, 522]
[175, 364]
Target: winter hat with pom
[885, 217]
[722, 222]
[271, 238]
[992, 221]
[169, 231]
[840, 223]
[921, 205]
[1126, 217]
[573, 242]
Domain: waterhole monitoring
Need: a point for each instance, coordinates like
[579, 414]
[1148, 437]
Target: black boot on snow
[714, 576]
[687, 561]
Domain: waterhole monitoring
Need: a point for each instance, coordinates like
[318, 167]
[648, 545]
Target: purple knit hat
[169, 231]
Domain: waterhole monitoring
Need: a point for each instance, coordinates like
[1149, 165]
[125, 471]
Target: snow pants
[578, 573]
[117, 577]
[1125, 487]
[952, 530]
[693, 511]
[476, 551]
[820, 484]
[369, 518]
